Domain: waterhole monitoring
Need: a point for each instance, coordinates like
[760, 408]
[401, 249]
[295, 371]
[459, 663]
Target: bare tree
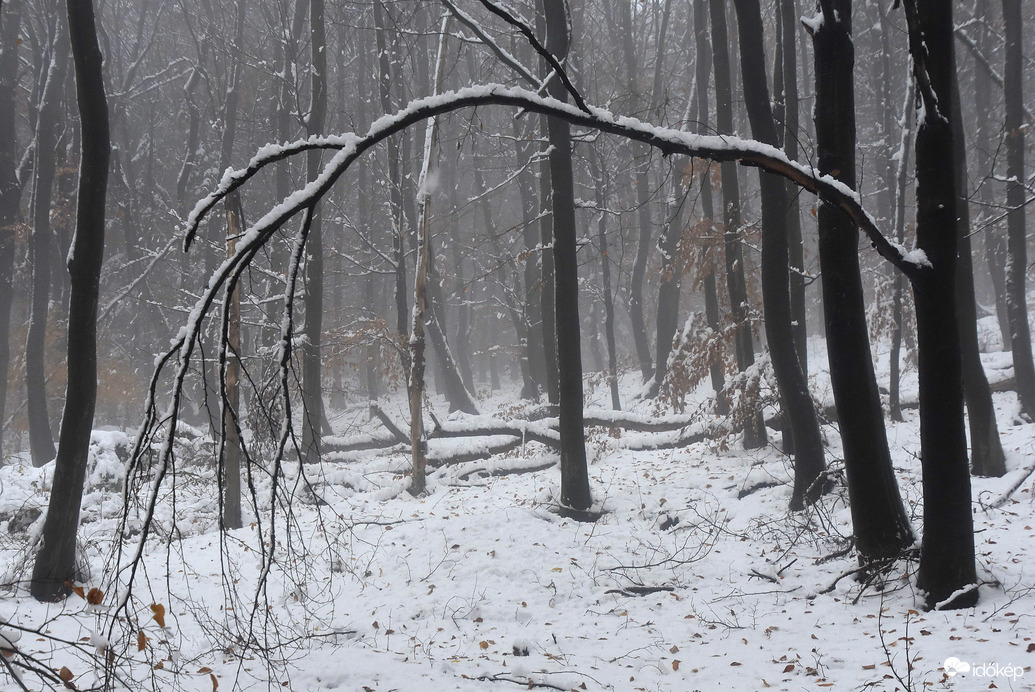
[10, 186]
[1016, 240]
[55, 562]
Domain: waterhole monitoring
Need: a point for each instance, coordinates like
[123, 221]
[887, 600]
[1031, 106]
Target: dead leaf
[141, 641]
[202, 671]
[159, 610]
[788, 668]
[94, 596]
[215, 683]
[483, 644]
[77, 589]
[675, 665]
[65, 674]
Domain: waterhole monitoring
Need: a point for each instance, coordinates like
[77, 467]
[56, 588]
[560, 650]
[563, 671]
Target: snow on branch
[668, 140]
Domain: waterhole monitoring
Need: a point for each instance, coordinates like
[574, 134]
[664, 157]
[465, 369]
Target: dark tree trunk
[1016, 236]
[754, 431]
[947, 571]
[575, 491]
[547, 221]
[532, 275]
[395, 197]
[312, 371]
[878, 516]
[669, 286]
[986, 452]
[794, 392]
[703, 69]
[791, 124]
[642, 184]
[10, 188]
[605, 277]
[898, 287]
[230, 470]
[55, 562]
[41, 240]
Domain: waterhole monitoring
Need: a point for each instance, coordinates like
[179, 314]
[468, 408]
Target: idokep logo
[954, 666]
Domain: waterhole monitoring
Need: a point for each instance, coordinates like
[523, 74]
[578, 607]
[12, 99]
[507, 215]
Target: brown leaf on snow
[788, 668]
[159, 610]
[65, 674]
[141, 641]
[94, 596]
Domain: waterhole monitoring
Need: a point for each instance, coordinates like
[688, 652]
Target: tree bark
[947, 570]
[55, 562]
[754, 431]
[1016, 235]
[809, 464]
[878, 516]
[575, 492]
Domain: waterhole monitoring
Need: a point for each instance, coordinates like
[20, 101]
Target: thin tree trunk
[986, 452]
[1016, 237]
[231, 405]
[418, 443]
[41, 239]
[796, 248]
[809, 464]
[575, 492]
[898, 287]
[703, 68]
[754, 431]
[312, 371]
[55, 562]
[10, 188]
[878, 516]
[605, 277]
[395, 198]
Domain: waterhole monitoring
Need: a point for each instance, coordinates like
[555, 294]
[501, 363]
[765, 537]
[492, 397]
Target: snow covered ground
[695, 577]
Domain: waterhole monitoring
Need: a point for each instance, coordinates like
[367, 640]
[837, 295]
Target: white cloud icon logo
[953, 666]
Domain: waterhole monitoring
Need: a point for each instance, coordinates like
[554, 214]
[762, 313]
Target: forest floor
[694, 577]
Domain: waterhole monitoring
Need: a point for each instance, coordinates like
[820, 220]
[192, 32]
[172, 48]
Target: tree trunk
[575, 492]
[605, 277]
[796, 248]
[754, 431]
[312, 371]
[395, 198]
[794, 392]
[947, 571]
[10, 188]
[41, 240]
[703, 69]
[878, 517]
[898, 287]
[230, 469]
[986, 452]
[55, 562]
[1016, 236]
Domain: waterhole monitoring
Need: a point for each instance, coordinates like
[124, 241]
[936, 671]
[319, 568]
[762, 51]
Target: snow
[375, 589]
